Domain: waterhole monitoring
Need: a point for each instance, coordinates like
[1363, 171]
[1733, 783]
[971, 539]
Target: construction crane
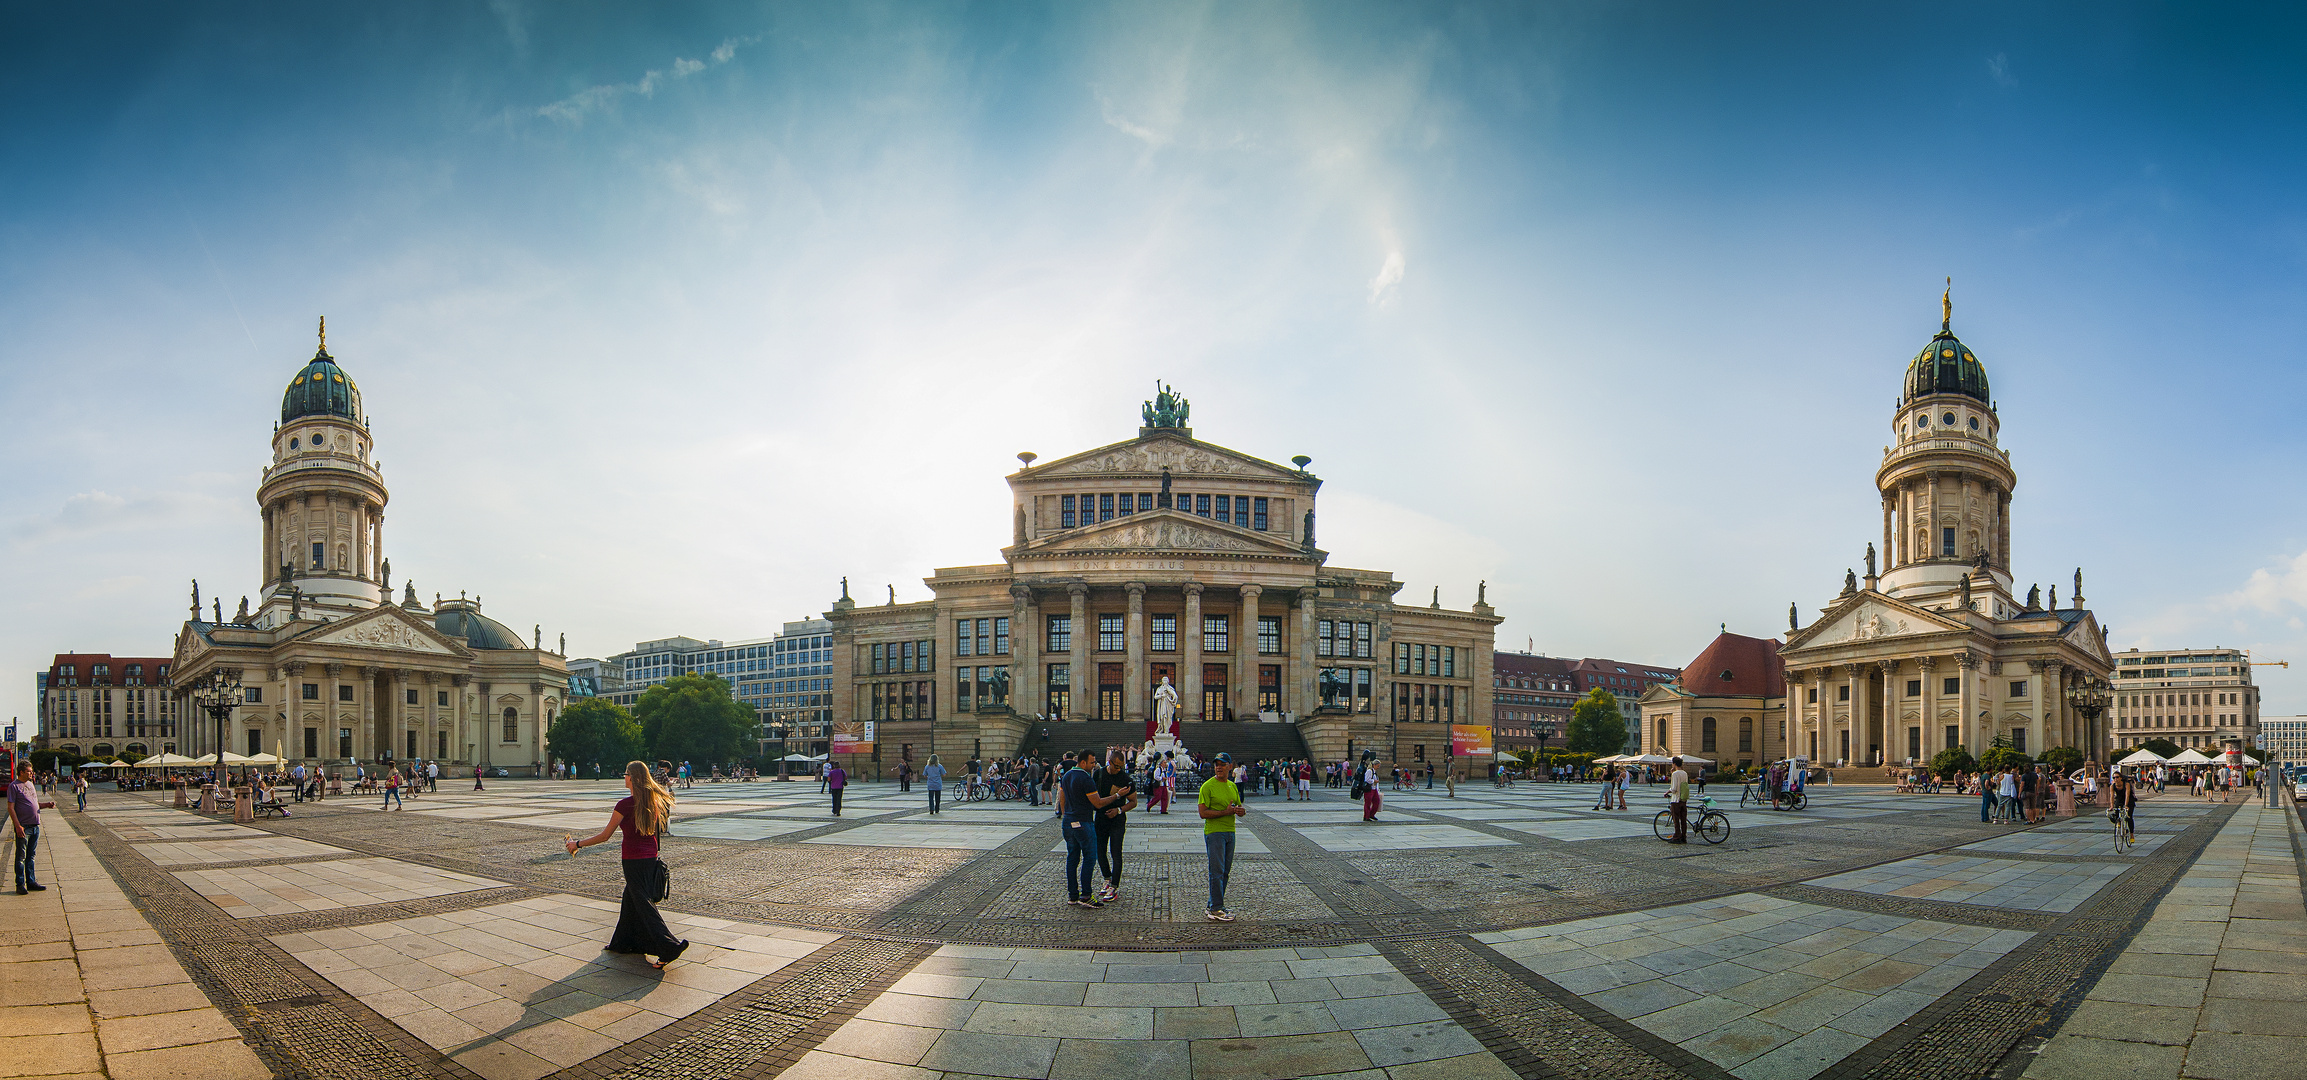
[2284, 664]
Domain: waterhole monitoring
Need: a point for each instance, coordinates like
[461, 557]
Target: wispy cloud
[1389, 279]
[1115, 120]
[576, 107]
[1999, 66]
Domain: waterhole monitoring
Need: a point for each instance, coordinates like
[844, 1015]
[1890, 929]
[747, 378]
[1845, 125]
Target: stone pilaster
[1246, 648]
[1084, 680]
[1190, 646]
[1133, 643]
[1028, 683]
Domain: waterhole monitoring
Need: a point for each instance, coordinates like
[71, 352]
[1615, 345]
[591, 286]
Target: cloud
[1386, 284]
[1999, 66]
[574, 108]
[1115, 120]
[101, 513]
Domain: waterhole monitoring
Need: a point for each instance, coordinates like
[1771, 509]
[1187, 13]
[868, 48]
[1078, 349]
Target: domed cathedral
[334, 669]
[1160, 560]
[1933, 648]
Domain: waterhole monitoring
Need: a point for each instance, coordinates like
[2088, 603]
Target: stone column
[489, 725]
[376, 544]
[1305, 670]
[462, 720]
[1246, 648]
[1966, 664]
[1889, 546]
[1860, 724]
[1028, 683]
[1084, 680]
[1890, 716]
[2042, 671]
[271, 545]
[1133, 641]
[1190, 647]
[360, 539]
[1929, 665]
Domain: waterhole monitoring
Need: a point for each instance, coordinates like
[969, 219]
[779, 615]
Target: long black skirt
[639, 928]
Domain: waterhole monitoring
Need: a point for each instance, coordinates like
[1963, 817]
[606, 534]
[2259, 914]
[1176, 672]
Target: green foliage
[1596, 725]
[693, 718]
[1999, 757]
[2164, 747]
[1946, 763]
[591, 730]
[47, 760]
[2254, 753]
[2065, 759]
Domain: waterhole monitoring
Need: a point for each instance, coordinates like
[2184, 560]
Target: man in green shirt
[1220, 803]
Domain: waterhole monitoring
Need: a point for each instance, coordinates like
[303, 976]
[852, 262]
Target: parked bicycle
[1711, 825]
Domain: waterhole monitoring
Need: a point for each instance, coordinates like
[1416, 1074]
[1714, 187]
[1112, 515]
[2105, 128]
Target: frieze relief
[388, 633]
[1177, 459]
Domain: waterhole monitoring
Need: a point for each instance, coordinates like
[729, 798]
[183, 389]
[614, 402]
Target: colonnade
[1878, 697]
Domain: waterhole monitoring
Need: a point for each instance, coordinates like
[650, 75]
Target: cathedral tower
[1946, 484]
[322, 500]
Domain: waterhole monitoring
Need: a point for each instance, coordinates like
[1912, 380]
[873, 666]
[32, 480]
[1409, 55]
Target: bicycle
[2125, 839]
[1711, 825]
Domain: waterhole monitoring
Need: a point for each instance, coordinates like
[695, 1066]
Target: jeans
[82, 795]
[1221, 850]
[1080, 857]
[26, 846]
[1681, 821]
[1109, 836]
[836, 802]
[935, 796]
[1986, 804]
[392, 797]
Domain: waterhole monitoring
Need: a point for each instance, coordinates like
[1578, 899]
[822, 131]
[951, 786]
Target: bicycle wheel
[1663, 825]
[1714, 827]
[1800, 801]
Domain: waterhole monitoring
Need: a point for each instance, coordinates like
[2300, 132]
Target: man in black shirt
[1116, 797]
[1077, 808]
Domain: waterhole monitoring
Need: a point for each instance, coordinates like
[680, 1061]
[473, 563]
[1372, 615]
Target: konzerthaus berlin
[1160, 557]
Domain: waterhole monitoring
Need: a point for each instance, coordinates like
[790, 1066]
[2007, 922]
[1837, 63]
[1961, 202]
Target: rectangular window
[1065, 511]
[1914, 688]
[1258, 516]
[1060, 633]
[344, 692]
[965, 684]
[412, 699]
[441, 698]
[1109, 633]
[1842, 693]
[412, 741]
[1164, 633]
[1418, 660]
[312, 691]
[316, 556]
[985, 637]
[1954, 737]
[1362, 690]
[1269, 688]
[1401, 658]
[1060, 689]
[2018, 688]
[1269, 635]
[1001, 636]
[1128, 504]
[441, 744]
[1952, 686]
[512, 726]
[1322, 630]
[1105, 508]
[880, 659]
[1362, 640]
[1202, 505]
[254, 695]
[312, 742]
[905, 657]
[963, 639]
[927, 652]
[1225, 508]
[1813, 695]
[2019, 739]
[1449, 661]
[344, 742]
[1914, 742]
[1216, 635]
[1946, 541]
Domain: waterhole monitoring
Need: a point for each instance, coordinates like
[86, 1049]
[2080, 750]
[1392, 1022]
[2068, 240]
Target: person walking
[24, 824]
[433, 775]
[836, 778]
[641, 816]
[392, 790]
[1606, 796]
[1371, 800]
[1986, 798]
[1220, 803]
[1077, 818]
[1678, 801]
[1158, 791]
[80, 790]
[933, 778]
[477, 779]
[1117, 795]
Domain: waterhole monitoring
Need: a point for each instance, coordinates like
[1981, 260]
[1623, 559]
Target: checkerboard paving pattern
[2090, 843]
[1768, 989]
[521, 990]
[320, 886]
[2002, 883]
[1036, 1013]
[204, 852]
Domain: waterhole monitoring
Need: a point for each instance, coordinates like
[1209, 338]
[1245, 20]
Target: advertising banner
[853, 737]
[1470, 740]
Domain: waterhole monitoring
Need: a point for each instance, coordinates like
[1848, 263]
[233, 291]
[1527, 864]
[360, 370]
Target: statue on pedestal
[2034, 598]
[387, 582]
[1793, 621]
[1849, 582]
[1162, 729]
[1870, 559]
[241, 617]
[195, 599]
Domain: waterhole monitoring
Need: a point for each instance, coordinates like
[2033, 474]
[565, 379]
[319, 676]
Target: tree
[591, 730]
[2161, 747]
[2254, 753]
[2000, 757]
[1954, 759]
[1596, 725]
[693, 718]
[2064, 759]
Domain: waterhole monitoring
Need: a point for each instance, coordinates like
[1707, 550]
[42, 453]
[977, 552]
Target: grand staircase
[1246, 742]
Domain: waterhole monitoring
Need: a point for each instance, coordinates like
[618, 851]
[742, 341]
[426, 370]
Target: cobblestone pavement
[1501, 932]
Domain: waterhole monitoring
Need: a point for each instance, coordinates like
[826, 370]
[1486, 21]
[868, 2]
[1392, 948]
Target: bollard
[180, 799]
[243, 805]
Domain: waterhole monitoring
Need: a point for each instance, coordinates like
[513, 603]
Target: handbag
[659, 885]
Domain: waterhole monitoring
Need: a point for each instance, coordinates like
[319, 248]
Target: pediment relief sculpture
[1164, 455]
[1160, 536]
[385, 632]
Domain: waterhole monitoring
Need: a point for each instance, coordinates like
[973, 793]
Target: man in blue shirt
[1077, 807]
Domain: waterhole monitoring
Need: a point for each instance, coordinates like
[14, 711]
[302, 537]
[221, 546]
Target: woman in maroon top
[641, 816]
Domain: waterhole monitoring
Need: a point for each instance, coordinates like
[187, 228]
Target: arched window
[1706, 735]
[103, 749]
[512, 724]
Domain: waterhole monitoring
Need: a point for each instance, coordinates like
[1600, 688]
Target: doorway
[1214, 695]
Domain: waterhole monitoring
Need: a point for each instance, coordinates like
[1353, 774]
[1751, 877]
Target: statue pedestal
[1165, 743]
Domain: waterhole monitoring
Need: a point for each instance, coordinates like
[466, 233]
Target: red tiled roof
[1735, 665]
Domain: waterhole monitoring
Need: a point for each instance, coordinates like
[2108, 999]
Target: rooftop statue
[1870, 559]
[1168, 409]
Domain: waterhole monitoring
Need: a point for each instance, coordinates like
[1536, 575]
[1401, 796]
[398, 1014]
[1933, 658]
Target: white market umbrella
[1689, 760]
[162, 761]
[1650, 759]
[228, 757]
[2141, 757]
[2189, 757]
[260, 759]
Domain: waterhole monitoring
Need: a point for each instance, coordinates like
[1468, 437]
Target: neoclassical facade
[334, 669]
[1161, 557]
[1935, 649]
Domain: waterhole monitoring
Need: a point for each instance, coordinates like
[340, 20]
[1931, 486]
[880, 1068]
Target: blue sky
[669, 316]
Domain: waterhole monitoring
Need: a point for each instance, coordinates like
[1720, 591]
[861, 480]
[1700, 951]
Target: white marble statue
[1166, 708]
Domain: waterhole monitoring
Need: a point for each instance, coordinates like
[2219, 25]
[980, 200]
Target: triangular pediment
[388, 628]
[189, 644]
[1149, 455]
[1162, 530]
[1868, 616]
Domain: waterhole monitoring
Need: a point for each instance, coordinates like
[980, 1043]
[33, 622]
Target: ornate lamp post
[217, 697]
[777, 732]
[1544, 731]
[2090, 698]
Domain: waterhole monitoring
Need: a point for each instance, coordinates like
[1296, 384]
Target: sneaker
[1221, 916]
[1093, 902]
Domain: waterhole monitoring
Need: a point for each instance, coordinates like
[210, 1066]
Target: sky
[669, 316]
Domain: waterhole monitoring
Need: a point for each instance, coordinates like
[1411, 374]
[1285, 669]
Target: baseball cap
[1225, 757]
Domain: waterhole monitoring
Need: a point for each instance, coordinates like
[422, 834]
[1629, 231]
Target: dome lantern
[321, 388]
[1946, 365]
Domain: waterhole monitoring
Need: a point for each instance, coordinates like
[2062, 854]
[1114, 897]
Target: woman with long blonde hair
[641, 816]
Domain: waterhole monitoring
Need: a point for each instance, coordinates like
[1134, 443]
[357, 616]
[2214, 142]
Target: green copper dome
[1946, 366]
[321, 389]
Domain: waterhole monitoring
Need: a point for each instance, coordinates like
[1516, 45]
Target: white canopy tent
[2189, 756]
[2141, 757]
[162, 761]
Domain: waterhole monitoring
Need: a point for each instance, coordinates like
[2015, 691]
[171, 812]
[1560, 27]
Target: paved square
[2097, 843]
[517, 991]
[1387, 834]
[2003, 883]
[966, 837]
[203, 852]
[1264, 1013]
[1765, 988]
[320, 886]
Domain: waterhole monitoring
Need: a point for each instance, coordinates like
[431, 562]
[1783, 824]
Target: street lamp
[218, 697]
[1544, 732]
[2090, 698]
